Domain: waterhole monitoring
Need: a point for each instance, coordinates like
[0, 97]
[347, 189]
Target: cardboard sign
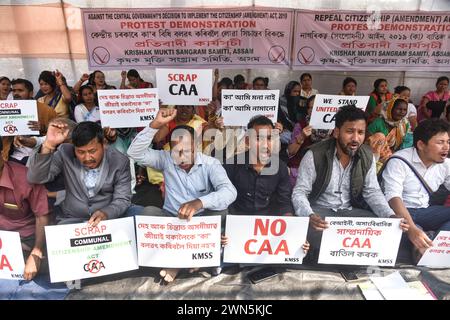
[326, 106]
[12, 264]
[239, 106]
[265, 239]
[360, 241]
[175, 243]
[77, 251]
[15, 115]
[128, 108]
[438, 256]
[190, 87]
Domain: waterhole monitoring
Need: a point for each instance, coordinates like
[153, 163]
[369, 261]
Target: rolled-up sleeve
[303, 186]
[141, 152]
[373, 195]
[224, 192]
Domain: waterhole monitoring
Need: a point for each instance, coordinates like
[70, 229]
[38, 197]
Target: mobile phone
[349, 275]
[261, 274]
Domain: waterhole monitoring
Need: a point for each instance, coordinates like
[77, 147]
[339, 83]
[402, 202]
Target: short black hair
[349, 80]
[4, 78]
[238, 78]
[48, 77]
[26, 83]
[349, 113]
[133, 73]
[261, 79]
[182, 127]
[399, 89]
[428, 128]
[260, 120]
[226, 82]
[85, 131]
[443, 78]
[306, 74]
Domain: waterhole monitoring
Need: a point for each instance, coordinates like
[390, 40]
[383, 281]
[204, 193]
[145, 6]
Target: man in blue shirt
[196, 184]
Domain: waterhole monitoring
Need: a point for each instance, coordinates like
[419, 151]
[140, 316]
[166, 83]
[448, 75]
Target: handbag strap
[424, 183]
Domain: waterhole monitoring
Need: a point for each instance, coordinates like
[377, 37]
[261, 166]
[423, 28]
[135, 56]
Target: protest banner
[201, 37]
[326, 106]
[127, 108]
[363, 41]
[239, 106]
[188, 87]
[15, 115]
[175, 243]
[78, 251]
[265, 239]
[360, 241]
[12, 264]
[438, 256]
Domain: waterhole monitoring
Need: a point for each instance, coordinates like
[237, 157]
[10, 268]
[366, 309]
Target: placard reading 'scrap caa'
[184, 86]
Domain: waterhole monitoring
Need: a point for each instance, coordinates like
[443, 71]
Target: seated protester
[134, 80]
[260, 83]
[336, 175]
[394, 125]
[302, 137]
[379, 98]
[348, 87]
[24, 209]
[97, 179]
[408, 195]
[433, 103]
[404, 93]
[55, 92]
[195, 183]
[262, 181]
[23, 90]
[87, 108]
[307, 89]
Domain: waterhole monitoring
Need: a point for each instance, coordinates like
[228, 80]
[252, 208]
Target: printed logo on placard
[9, 128]
[94, 266]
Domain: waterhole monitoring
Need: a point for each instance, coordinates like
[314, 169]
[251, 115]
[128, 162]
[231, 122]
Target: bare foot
[170, 275]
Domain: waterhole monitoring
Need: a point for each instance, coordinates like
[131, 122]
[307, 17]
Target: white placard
[191, 87]
[239, 106]
[77, 251]
[175, 243]
[360, 241]
[129, 108]
[14, 117]
[265, 239]
[438, 255]
[326, 106]
[12, 264]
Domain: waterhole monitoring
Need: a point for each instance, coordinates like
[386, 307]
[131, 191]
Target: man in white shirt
[405, 192]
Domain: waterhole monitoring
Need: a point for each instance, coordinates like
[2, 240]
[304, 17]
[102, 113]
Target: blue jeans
[433, 218]
[133, 210]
